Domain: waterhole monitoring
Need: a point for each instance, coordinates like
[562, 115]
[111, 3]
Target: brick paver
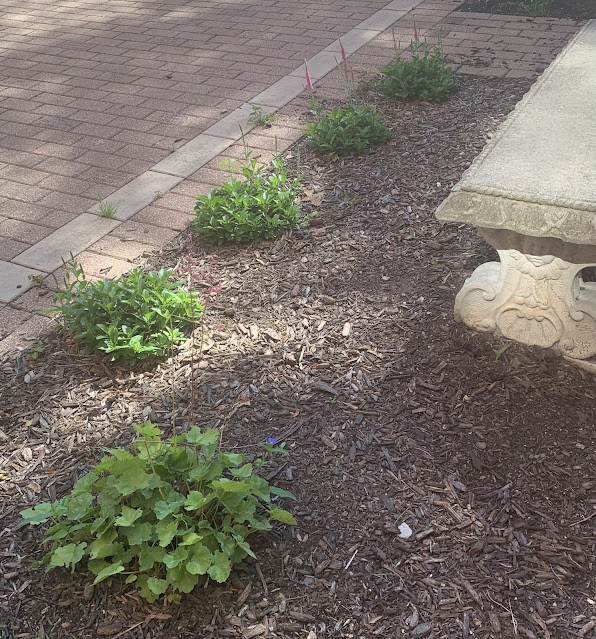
[94, 94]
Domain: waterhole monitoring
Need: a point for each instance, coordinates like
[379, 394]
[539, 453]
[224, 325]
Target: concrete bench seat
[531, 193]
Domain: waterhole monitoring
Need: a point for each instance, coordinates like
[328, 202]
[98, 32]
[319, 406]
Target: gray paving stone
[281, 92]
[14, 280]
[355, 39]
[139, 193]
[72, 238]
[193, 155]
[320, 64]
[402, 5]
[381, 20]
[229, 127]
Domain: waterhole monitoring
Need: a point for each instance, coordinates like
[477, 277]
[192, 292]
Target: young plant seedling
[500, 351]
[259, 118]
[37, 280]
[106, 208]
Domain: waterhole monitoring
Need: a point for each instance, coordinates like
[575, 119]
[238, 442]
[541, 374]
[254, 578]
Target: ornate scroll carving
[536, 300]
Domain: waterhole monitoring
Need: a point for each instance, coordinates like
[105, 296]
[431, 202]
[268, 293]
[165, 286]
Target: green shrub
[260, 207]
[163, 516]
[427, 76]
[347, 131]
[132, 317]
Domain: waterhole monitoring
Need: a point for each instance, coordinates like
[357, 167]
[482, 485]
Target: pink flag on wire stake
[308, 80]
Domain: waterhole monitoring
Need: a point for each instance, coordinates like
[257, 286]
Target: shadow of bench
[531, 193]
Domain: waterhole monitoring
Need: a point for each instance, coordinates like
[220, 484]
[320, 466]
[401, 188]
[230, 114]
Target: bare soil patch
[339, 340]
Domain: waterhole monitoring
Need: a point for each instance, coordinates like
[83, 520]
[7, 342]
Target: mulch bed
[570, 9]
[339, 339]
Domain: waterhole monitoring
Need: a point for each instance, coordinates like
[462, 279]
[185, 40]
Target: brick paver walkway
[96, 93]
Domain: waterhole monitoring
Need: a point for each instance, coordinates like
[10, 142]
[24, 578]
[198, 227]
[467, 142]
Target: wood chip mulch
[339, 340]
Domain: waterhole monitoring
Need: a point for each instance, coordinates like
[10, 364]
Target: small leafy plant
[133, 317]
[427, 76]
[501, 351]
[259, 118]
[261, 206]
[347, 131]
[164, 516]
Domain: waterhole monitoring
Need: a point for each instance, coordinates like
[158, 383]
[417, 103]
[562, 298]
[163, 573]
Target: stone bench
[531, 193]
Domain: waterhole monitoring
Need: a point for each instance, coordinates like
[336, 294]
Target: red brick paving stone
[156, 227]
[10, 319]
[69, 203]
[61, 167]
[26, 334]
[122, 248]
[34, 300]
[210, 176]
[24, 211]
[193, 188]
[177, 202]
[23, 193]
[73, 186]
[99, 266]
[56, 219]
[23, 231]
[10, 248]
[164, 218]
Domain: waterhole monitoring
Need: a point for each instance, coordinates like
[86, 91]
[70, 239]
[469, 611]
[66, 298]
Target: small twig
[262, 578]
[351, 559]
[581, 521]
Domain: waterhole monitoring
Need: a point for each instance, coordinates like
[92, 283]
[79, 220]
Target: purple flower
[271, 440]
[342, 51]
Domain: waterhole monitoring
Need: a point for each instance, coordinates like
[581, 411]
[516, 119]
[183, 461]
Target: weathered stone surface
[536, 300]
[537, 176]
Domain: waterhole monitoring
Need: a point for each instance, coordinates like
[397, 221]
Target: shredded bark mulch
[338, 339]
[570, 9]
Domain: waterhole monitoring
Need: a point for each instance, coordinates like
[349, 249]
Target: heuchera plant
[164, 516]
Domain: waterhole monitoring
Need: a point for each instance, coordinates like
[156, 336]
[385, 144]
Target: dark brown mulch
[570, 9]
[339, 340]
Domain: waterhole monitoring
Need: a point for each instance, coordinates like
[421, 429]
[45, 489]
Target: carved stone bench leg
[535, 300]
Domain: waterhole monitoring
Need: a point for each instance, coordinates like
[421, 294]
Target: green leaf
[199, 560]
[157, 586]
[113, 569]
[139, 534]
[166, 530]
[38, 514]
[243, 472]
[230, 486]
[196, 436]
[195, 500]
[282, 515]
[149, 556]
[130, 476]
[172, 559]
[103, 546]
[128, 516]
[181, 579]
[280, 492]
[68, 555]
[220, 567]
